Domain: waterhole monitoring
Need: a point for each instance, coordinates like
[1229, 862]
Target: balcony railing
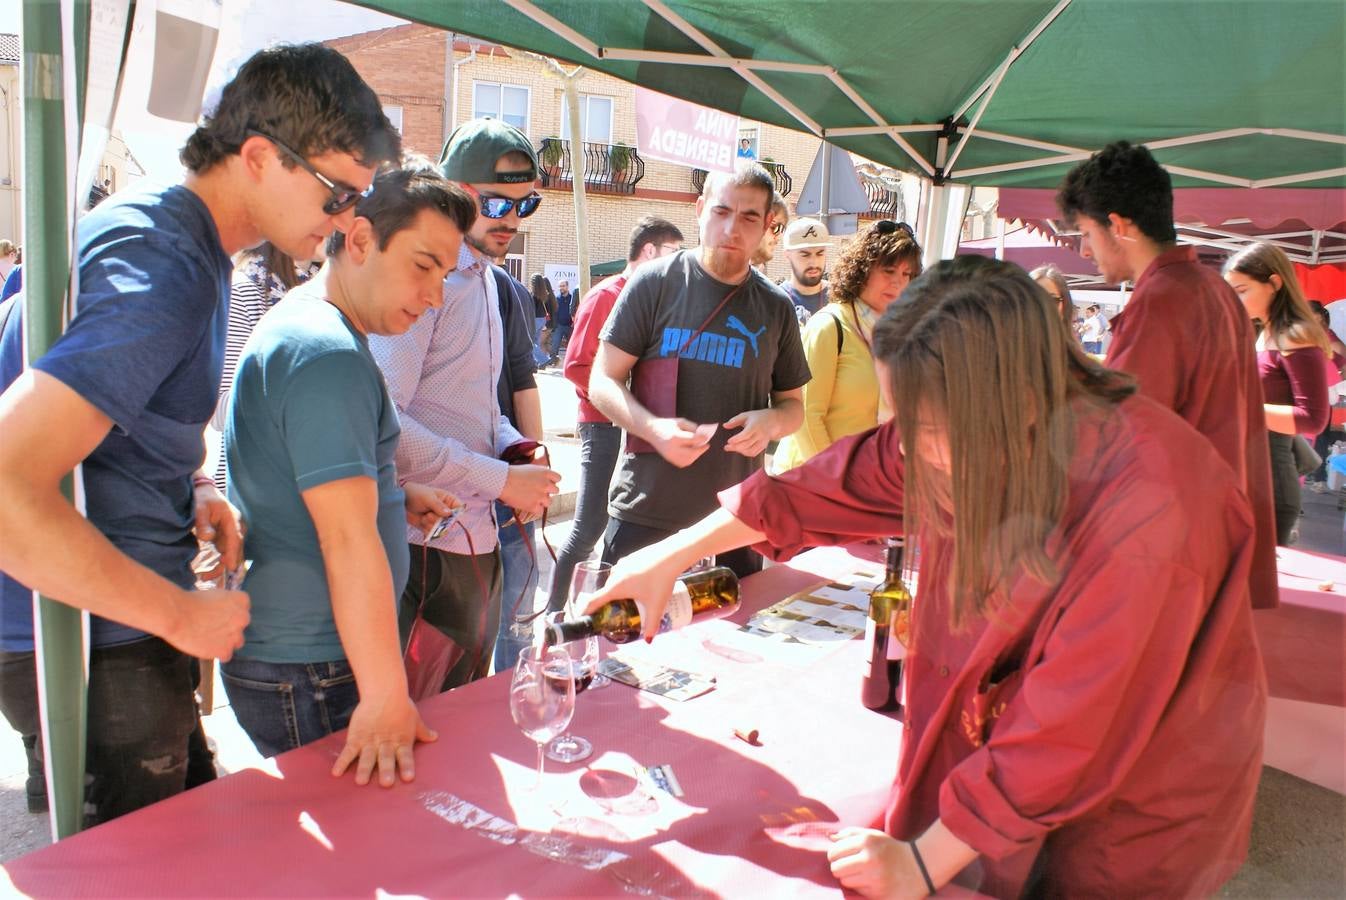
[608, 168]
[885, 199]
[781, 178]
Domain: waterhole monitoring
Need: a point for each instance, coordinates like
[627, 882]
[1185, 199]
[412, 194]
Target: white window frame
[584, 120]
[394, 114]
[499, 86]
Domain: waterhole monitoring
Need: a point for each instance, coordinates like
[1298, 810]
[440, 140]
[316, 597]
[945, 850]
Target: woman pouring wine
[1085, 698]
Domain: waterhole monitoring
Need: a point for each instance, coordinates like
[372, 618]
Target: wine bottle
[889, 619]
[697, 596]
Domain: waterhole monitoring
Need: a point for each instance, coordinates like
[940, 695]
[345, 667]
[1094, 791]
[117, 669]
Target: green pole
[59, 629]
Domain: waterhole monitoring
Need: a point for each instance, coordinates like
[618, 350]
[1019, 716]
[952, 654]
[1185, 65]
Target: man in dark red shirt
[600, 440]
[1183, 333]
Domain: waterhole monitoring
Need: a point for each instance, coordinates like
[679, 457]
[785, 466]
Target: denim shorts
[286, 705]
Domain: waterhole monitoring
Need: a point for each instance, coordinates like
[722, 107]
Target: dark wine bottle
[889, 619]
[698, 596]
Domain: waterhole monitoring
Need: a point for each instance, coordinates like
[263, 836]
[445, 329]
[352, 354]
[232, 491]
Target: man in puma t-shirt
[738, 379]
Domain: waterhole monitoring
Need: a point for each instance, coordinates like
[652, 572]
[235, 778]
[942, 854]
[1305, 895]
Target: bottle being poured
[698, 596]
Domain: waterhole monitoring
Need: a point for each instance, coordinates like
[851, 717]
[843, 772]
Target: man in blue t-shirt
[125, 393]
[310, 437]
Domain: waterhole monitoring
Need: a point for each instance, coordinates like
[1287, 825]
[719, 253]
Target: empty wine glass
[589, 576]
[542, 697]
[581, 662]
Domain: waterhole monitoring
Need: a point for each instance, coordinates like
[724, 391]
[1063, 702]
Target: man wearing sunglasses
[443, 375]
[125, 394]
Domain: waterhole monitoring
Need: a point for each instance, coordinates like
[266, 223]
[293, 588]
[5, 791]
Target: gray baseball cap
[474, 148]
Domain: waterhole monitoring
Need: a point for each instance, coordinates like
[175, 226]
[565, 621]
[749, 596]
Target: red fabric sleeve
[851, 491]
[583, 347]
[1308, 386]
[1136, 641]
[1146, 344]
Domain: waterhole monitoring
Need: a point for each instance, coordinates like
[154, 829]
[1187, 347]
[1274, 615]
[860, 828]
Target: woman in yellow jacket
[842, 398]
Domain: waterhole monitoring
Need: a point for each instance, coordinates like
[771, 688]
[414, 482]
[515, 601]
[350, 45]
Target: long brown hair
[1290, 319]
[977, 349]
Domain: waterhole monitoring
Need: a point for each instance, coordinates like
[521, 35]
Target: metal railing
[781, 178]
[607, 168]
[885, 199]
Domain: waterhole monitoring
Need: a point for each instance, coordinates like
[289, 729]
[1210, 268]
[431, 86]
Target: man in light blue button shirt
[443, 376]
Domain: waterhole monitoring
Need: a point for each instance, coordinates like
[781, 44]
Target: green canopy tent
[604, 269]
[1246, 93]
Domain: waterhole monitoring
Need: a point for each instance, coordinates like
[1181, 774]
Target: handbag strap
[710, 318]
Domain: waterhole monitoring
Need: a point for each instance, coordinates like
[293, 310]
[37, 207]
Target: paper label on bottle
[679, 610]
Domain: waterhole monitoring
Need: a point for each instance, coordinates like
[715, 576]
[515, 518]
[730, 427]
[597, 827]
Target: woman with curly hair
[1292, 360]
[843, 396]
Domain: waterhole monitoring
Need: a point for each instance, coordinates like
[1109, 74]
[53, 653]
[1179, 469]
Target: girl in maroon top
[1292, 360]
[1085, 698]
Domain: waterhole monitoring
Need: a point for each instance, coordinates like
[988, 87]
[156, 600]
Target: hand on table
[427, 505]
[645, 576]
[382, 733]
[680, 441]
[755, 434]
[874, 864]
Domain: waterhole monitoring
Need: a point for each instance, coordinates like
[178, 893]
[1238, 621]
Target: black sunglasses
[342, 198]
[498, 207]
[777, 228]
[888, 226]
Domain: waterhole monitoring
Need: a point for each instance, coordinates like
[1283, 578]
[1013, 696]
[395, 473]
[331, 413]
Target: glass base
[569, 748]
[600, 681]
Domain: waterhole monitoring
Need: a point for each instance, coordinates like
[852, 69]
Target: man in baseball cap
[444, 375]
[806, 242]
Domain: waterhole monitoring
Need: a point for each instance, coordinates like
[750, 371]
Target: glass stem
[541, 761]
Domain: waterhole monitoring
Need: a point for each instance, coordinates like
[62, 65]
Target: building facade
[409, 67]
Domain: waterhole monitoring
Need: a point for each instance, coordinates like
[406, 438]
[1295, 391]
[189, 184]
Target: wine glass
[589, 576]
[542, 696]
[580, 661]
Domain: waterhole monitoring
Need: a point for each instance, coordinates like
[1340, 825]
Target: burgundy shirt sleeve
[1308, 386]
[1089, 707]
[1146, 345]
[851, 491]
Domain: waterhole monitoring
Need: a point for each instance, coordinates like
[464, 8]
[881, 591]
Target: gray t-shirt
[748, 351]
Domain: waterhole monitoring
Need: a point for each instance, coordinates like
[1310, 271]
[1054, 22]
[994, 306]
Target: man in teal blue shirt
[310, 439]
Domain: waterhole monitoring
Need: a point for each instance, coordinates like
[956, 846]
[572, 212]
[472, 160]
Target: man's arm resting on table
[385, 725]
[46, 429]
[675, 439]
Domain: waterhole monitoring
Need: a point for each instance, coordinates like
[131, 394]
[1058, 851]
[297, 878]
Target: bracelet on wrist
[920, 864]
[202, 481]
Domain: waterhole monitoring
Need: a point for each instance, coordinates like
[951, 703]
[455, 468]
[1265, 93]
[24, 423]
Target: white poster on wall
[556, 274]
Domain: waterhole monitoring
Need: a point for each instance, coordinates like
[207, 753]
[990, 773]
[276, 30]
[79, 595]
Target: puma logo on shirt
[742, 329]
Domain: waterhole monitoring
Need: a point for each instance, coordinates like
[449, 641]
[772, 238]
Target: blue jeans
[559, 335]
[539, 352]
[520, 581]
[600, 445]
[286, 705]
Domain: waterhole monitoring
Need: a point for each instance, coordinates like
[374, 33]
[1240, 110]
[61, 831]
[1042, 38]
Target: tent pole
[59, 631]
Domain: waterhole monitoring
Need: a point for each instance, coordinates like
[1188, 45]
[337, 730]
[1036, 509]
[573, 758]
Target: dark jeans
[519, 584]
[1284, 486]
[628, 537]
[461, 597]
[600, 445]
[287, 705]
[559, 335]
[141, 718]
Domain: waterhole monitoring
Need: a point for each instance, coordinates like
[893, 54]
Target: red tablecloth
[298, 832]
[1304, 640]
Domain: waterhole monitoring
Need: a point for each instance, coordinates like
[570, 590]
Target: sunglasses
[777, 228]
[888, 226]
[498, 207]
[342, 197]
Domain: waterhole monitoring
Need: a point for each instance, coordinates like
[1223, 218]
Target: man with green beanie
[443, 375]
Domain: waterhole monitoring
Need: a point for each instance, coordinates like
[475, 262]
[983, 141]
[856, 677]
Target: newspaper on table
[675, 684]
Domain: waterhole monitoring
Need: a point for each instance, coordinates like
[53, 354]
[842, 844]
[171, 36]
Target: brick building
[407, 67]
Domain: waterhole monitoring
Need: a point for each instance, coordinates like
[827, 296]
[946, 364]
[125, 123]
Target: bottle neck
[894, 562]
[570, 630]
